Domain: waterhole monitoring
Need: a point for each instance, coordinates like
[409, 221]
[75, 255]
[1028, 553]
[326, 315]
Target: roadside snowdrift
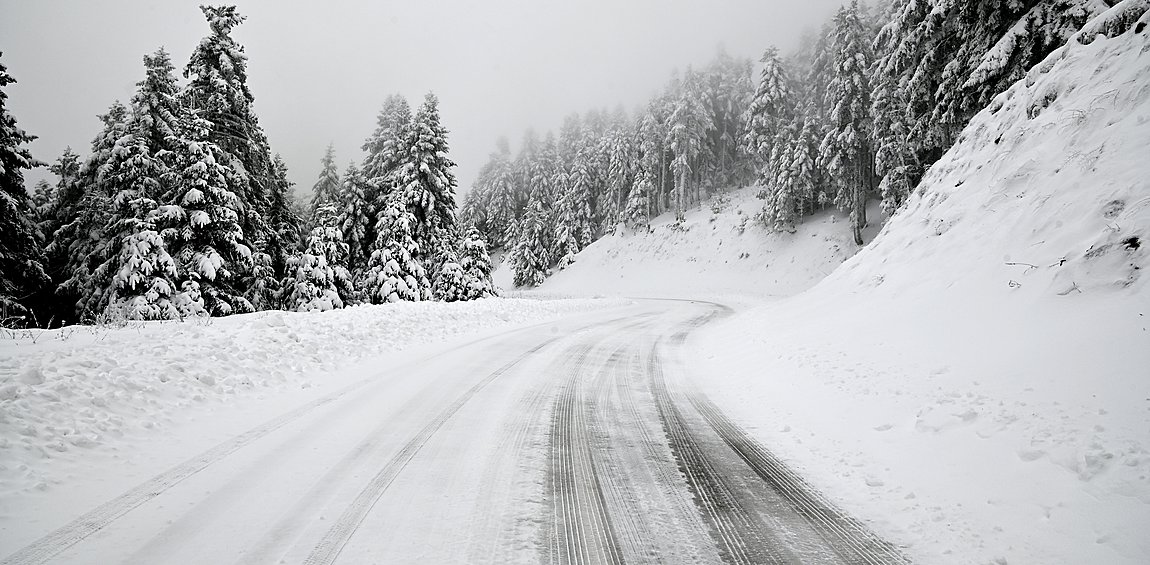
[72, 394]
[976, 382]
[718, 250]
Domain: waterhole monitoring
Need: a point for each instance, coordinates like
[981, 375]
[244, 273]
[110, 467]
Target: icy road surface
[580, 441]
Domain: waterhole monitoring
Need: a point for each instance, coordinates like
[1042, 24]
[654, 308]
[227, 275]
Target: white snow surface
[73, 395]
[719, 250]
[976, 382]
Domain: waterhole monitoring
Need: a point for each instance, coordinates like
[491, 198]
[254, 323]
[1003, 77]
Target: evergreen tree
[21, 253]
[529, 258]
[387, 145]
[449, 284]
[394, 271]
[638, 206]
[218, 91]
[770, 112]
[427, 188]
[327, 186]
[476, 266]
[352, 218]
[137, 275]
[200, 221]
[689, 125]
[283, 221]
[317, 275]
[80, 240]
[845, 149]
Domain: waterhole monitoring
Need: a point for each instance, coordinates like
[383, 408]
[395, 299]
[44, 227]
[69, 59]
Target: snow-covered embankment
[976, 382]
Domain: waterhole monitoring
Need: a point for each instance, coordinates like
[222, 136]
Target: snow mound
[66, 392]
[720, 249]
[974, 383]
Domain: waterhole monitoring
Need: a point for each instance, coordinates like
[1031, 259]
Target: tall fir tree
[394, 270]
[218, 91]
[689, 126]
[284, 223]
[770, 112]
[80, 240]
[326, 187]
[426, 184]
[21, 254]
[352, 218]
[318, 277]
[475, 263]
[845, 150]
[200, 221]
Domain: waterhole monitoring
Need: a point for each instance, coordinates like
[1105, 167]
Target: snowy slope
[976, 382]
[718, 249]
[71, 396]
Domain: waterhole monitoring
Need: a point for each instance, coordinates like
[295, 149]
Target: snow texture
[70, 396]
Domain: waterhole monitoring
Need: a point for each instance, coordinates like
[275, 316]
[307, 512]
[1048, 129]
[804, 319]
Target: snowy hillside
[719, 249]
[976, 378]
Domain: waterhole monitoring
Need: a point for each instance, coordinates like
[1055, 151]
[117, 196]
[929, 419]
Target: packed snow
[974, 382]
[70, 394]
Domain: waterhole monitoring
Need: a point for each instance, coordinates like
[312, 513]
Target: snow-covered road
[576, 441]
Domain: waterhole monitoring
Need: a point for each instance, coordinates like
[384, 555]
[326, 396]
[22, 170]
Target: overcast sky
[320, 70]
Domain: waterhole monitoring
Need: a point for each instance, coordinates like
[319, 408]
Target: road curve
[579, 442]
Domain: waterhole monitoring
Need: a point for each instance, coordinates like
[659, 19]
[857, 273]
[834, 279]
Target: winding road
[580, 441]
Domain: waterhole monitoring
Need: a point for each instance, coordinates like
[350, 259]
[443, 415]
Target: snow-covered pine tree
[845, 150]
[218, 91]
[352, 218]
[771, 110]
[143, 286]
[21, 252]
[200, 220]
[326, 187]
[792, 189]
[316, 276]
[689, 126]
[80, 239]
[497, 182]
[394, 270]
[137, 277]
[385, 149]
[476, 266]
[449, 284]
[284, 238]
[621, 166]
[387, 145]
[427, 187]
[638, 206]
[951, 58]
[895, 162]
[530, 257]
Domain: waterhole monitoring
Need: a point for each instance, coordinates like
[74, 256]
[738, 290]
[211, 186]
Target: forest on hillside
[181, 208]
[859, 111]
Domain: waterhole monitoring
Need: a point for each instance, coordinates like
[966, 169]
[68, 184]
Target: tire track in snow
[582, 530]
[97, 519]
[849, 538]
[741, 538]
[328, 548]
[75, 531]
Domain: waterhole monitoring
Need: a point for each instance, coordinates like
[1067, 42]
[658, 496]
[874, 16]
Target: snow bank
[718, 249]
[976, 382]
[66, 392]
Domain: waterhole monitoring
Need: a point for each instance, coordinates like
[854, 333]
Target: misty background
[320, 73]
